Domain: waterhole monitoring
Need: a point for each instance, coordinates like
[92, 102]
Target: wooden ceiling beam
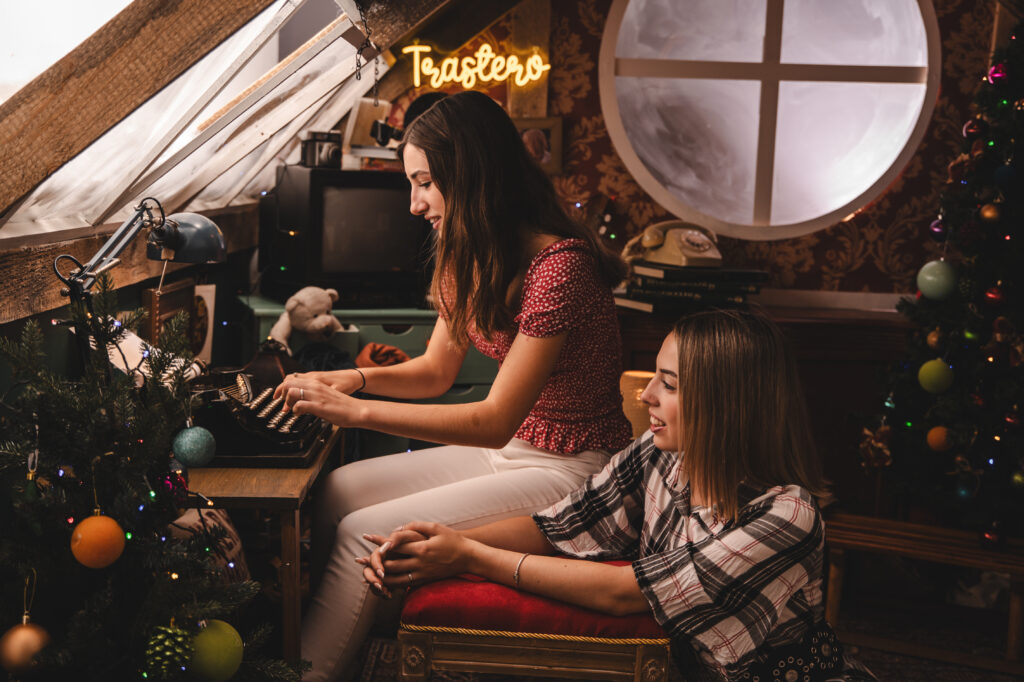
[114, 71]
[54, 135]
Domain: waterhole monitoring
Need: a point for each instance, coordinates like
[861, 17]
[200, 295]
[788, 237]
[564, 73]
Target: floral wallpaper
[879, 250]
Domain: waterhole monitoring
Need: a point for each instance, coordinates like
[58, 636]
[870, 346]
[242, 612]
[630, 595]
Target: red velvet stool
[466, 624]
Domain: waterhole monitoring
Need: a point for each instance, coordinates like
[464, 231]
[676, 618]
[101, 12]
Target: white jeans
[458, 486]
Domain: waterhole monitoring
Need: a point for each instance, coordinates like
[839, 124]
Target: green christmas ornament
[935, 376]
[936, 279]
[167, 651]
[194, 446]
[216, 651]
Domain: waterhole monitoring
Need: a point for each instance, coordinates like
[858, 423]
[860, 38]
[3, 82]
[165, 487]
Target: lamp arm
[79, 281]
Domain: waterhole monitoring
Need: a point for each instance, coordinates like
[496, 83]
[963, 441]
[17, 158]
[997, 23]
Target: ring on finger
[302, 394]
[409, 575]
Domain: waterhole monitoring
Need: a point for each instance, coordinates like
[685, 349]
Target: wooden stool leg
[413, 656]
[836, 568]
[1014, 632]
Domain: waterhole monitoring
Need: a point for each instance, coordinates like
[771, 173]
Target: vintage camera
[322, 149]
[382, 133]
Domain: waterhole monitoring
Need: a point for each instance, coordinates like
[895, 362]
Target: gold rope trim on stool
[529, 635]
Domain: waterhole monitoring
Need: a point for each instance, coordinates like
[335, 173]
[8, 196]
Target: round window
[767, 119]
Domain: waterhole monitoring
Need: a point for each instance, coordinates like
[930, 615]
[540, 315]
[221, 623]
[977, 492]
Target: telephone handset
[675, 242]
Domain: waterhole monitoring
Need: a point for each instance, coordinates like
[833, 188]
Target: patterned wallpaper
[879, 250]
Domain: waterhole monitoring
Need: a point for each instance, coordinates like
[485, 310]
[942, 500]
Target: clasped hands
[417, 552]
[321, 394]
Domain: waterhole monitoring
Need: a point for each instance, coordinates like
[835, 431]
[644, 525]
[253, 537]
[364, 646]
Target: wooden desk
[281, 491]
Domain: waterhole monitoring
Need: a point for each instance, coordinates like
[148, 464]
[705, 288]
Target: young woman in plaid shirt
[726, 542]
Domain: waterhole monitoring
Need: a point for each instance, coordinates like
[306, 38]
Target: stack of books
[658, 288]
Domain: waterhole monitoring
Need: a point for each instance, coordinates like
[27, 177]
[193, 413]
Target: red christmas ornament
[975, 127]
[994, 294]
[997, 74]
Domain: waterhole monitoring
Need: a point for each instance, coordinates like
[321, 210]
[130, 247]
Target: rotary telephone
[674, 242]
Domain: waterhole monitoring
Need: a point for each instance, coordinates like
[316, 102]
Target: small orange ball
[97, 541]
[990, 213]
[938, 439]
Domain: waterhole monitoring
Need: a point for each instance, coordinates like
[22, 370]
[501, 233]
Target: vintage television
[347, 230]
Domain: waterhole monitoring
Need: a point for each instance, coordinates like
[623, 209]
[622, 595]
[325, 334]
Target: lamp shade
[632, 384]
[187, 238]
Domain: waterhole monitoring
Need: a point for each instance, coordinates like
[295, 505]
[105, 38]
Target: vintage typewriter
[250, 426]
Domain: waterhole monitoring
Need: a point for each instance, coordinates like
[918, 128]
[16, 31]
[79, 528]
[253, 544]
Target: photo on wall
[543, 139]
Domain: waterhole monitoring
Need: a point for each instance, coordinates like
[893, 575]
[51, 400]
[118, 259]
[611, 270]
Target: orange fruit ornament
[97, 541]
[938, 439]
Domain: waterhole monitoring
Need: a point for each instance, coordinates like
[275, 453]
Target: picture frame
[545, 146]
[163, 304]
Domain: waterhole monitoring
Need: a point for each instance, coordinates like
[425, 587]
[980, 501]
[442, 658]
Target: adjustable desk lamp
[180, 237]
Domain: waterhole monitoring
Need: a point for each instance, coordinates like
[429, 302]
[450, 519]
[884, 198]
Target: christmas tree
[951, 440]
[96, 585]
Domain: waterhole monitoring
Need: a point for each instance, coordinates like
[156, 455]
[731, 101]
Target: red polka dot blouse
[580, 407]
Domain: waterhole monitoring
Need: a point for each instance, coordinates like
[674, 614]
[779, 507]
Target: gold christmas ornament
[990, 213]
[20, 644]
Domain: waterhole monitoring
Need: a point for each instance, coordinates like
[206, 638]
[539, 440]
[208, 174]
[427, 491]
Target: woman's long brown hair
[495, 196]
[742, 413]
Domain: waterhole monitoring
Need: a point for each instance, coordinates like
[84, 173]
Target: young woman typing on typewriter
[715, 506]
[515, 277]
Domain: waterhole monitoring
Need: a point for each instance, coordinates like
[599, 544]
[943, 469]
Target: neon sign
[484, 66]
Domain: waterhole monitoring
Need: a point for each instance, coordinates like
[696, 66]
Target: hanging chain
[367, 45]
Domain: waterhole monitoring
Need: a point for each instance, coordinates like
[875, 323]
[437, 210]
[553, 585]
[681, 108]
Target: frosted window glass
[719, 30]
[76, 193]
[684, 84]
[698, 138]
[867, 32]
[835, 140]
[223, 154]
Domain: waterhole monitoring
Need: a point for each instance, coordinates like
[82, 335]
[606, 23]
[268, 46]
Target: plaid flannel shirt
[725, 589]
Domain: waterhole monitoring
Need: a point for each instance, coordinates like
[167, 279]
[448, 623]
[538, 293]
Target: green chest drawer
[408, 329]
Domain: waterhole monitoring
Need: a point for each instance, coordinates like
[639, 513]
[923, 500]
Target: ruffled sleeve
[555, 291]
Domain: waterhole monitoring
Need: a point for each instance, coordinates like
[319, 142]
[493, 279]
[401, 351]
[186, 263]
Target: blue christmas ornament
[194, 446]
[1005, 177]
[936, 279]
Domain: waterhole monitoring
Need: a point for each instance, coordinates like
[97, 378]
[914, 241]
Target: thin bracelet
[363, 376]
[515, 575]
